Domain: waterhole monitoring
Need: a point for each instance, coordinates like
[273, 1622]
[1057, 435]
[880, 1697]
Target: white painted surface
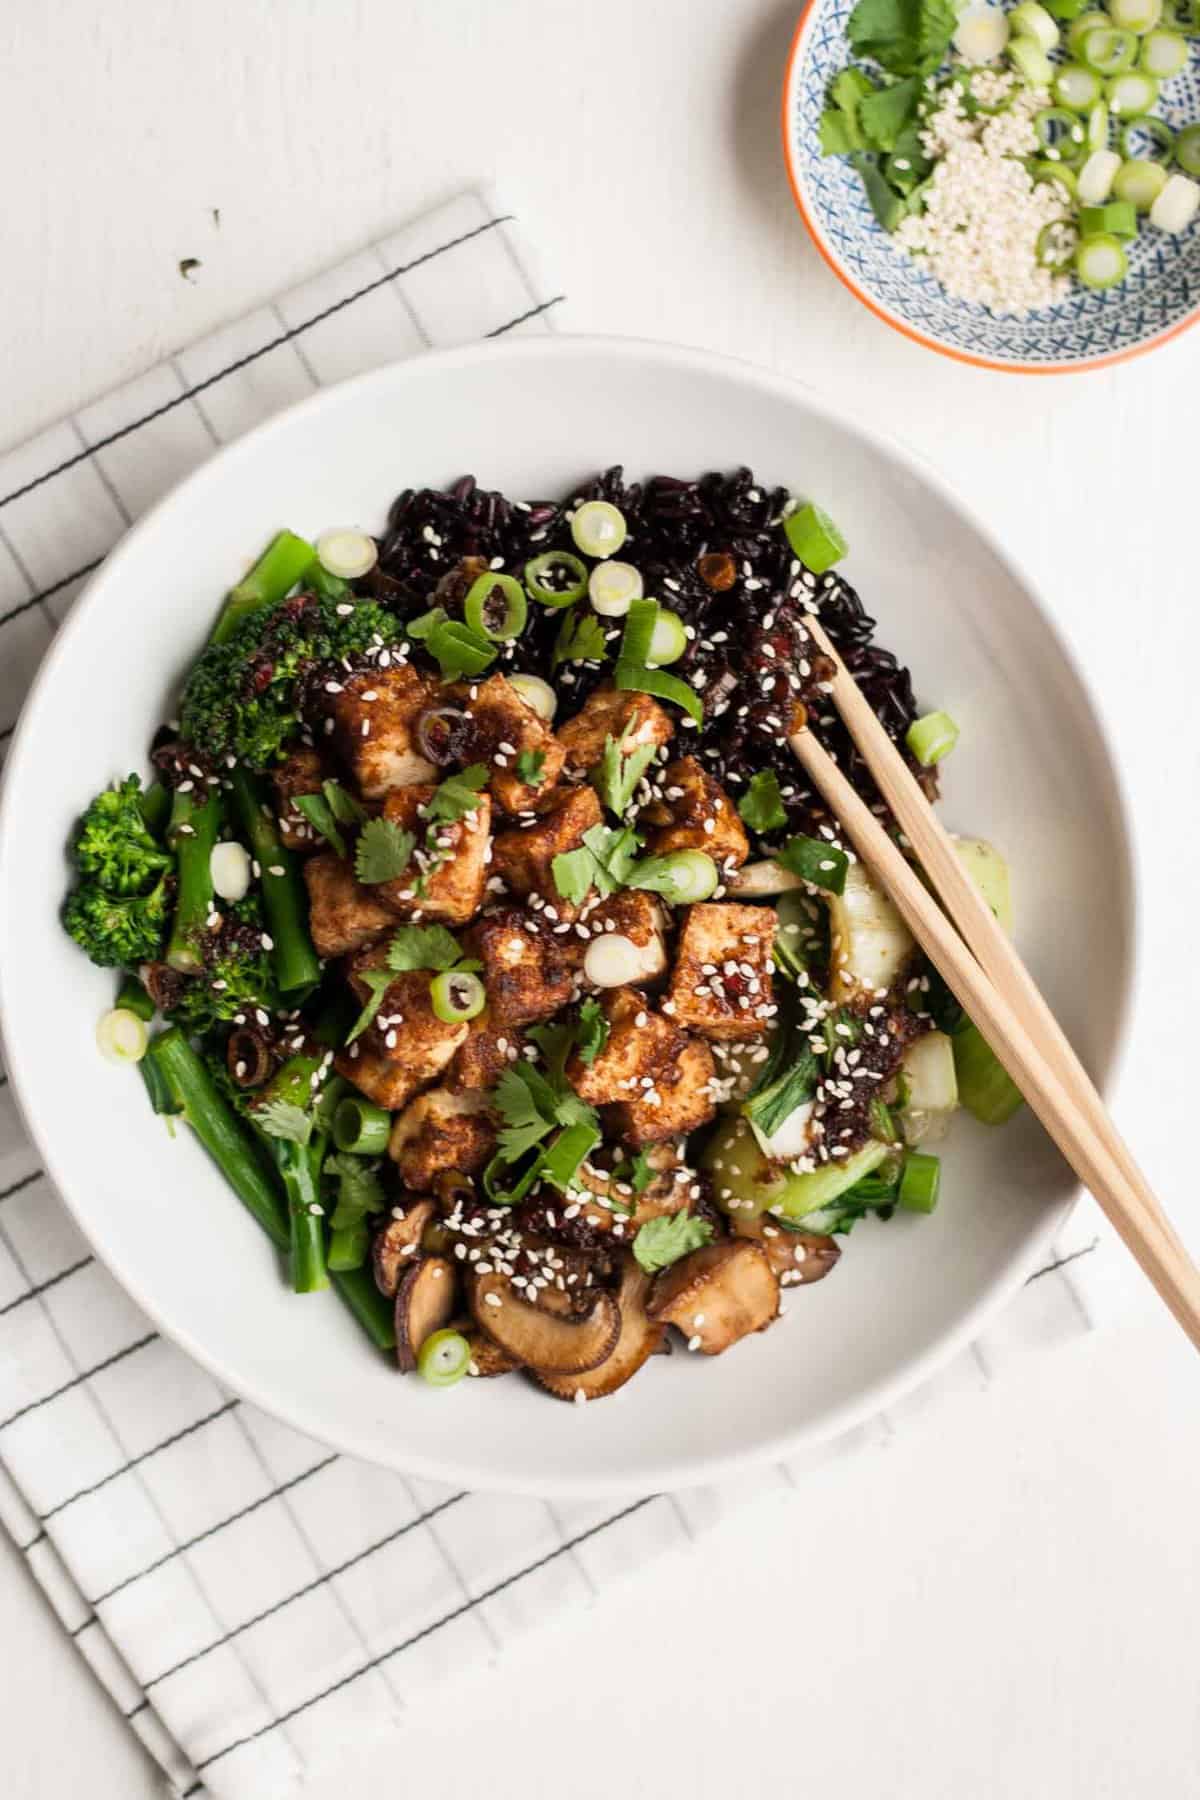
[1003, 1605]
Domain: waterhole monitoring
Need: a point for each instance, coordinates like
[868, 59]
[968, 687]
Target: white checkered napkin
[251, 1601]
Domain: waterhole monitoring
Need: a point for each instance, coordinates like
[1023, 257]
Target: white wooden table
[1004, 1605]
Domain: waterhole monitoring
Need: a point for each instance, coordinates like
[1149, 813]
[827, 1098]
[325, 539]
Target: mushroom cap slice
[639, 1338]
[717, 1295]
[426, 1301]
[487, 1358]
[797, 1257]
[397, 1243]
[541, 1340]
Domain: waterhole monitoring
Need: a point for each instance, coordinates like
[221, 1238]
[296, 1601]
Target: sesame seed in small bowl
[1016, 187]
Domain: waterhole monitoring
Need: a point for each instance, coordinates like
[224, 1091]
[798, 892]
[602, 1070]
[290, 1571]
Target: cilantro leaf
[530, 764]
[574, 873]
[317, 810]
[378, 981]
[621, 770]
[526, 1122]
[533, 1104]
[816, 861]
[384, 851]
[423, 947]
[580, 639]
[661, 1242]
[640, 1174]
[457, 796]
[603, 861]
[907, 37]
[761, 806]
[281, 1119]
[360, 1190]
[593, 1031]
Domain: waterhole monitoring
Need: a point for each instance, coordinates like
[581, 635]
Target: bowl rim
[1008, 1277]
[1075, 366]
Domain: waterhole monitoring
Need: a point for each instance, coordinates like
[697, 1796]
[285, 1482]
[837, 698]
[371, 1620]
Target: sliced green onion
[1176, 206]
[682, 878]
[122, 1036]
[348, 1246]
[982, 35]
[612, 586]
[1097, 175]
[1079, 28]
[537, 694]
[560, 1163]
[347, 553]
[1187, 149]
[229, 868]
[1056, 245]
[360, 1127]
[932, 737]
[1138, 16]
[814, 538]
[1058, 130]
[1117, 218]
[1149, 136]
[1100, 262]
[633, 673]
[1076, 87]
[556, 578]
[1029, 20]
[1031, 62]
[1048, 171]
[1140, 181]
[1108, 50]
[1133, 94]
[1163, 54]
[668, 640]
[599, 528]
[132, 997]
[496, 606]
[444, 1358]
[1098, 126]
[1066, 10]
[457, 995]
[920, 1179]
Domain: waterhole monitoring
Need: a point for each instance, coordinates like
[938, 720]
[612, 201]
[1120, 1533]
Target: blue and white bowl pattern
[1159, 296]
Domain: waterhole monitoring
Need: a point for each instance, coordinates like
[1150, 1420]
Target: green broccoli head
[113, 845]
[244, 696]
[119, 932]
[237, 977]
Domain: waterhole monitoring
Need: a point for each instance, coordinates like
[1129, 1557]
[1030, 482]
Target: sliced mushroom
[426, 1301]
[797, 1257]
[488, 1359]
[761, 880]
[397, 1244]
[717, 1295]
[638, 1339]
[541, 1340]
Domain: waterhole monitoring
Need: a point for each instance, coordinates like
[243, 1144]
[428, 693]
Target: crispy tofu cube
[504, 728]
[384, 1082]
[680, 1101]
[405, 1031]
[608, 713]
[639, 1042]
[635, 915]
[526, 970]
[483, 1055]
[721, 982]
[375, 722]
[441, 1131]
[342, 914]
[523, 856]
[702, 816]
[300, 773]
[452, 861]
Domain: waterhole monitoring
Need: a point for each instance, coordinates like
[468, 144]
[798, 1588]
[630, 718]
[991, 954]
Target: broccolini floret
[113, 844]
[237, 976]
[244, 695]
[118, 931]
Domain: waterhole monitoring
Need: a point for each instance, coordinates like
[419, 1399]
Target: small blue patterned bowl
[1159, 298]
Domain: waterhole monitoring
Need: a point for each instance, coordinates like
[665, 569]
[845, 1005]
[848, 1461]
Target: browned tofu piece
[504, 728]
[375, 728]
[609, 713]
[702, 816]
[483, 1055]
[382, 1081]
[439, 1131]
[721, 982]
[342, 914]
[300, 773]
[635, 915]
[526, 970]
[680, 1101]
[717, 1295]
[405, 1031]
[523, 856]
[450, 863]
[639, 1042]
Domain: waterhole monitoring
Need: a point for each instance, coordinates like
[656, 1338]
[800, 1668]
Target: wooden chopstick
[1046, 1079]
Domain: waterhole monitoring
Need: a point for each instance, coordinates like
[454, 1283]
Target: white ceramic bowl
[1032, 773]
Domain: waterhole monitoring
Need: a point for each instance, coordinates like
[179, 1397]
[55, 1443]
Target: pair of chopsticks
[988, 977]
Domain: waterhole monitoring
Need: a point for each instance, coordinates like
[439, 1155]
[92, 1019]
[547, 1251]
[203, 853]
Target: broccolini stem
[295, 961]
[185, 1077]
[281, 565]
[299, 1167]
[191, 834]
[155, 806]
[376, 1315]
[132, 997]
